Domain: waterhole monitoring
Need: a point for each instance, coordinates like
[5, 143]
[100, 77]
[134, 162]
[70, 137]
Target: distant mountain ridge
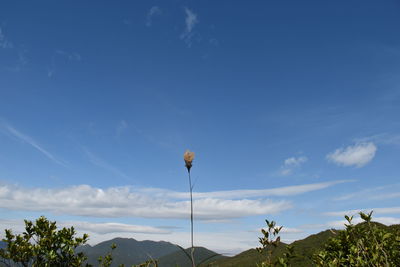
[129, 251]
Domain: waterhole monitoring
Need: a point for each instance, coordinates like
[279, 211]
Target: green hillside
[202, 257]
[304, 249]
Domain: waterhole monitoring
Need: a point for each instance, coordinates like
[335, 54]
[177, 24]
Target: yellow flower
[188, 157]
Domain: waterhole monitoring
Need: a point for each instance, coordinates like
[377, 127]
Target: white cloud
[389, 210]
[340, 223]
[190, 21]
[154, 11]
[98, 228]
[291, 163]
[8, 129]
[358, 155]
[110, 227]
[85, 200]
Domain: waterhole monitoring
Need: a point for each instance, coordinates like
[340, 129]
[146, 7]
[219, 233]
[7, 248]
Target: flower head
[188, 157]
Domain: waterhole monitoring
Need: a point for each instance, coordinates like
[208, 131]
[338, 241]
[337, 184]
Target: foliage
[365, 244]
[42, 245]
[148, 263]
[202, 257]
[270, 241]
[106, 261]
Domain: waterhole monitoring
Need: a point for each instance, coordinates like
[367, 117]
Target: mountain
[129, 251]
[304, 249]
[181, 259]
[248, 258]
[3, 244]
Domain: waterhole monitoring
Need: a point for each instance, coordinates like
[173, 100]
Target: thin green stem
[191, 218]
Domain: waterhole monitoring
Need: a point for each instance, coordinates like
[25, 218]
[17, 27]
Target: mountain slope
[248, 258]
[129, 251]
[304, 250]
[179, 258]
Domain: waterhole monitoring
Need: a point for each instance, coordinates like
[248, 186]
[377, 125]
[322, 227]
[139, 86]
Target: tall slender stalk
[188, 157]
[191, 218]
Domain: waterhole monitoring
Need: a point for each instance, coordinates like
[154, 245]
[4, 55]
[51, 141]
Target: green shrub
[364, 244]
[42, 245]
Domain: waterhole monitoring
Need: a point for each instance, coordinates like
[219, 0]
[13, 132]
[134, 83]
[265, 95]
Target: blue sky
[291, 107]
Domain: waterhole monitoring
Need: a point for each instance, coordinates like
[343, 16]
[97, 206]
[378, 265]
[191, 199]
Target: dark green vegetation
[365, 244]
[304, 250]
[42, 245]
[202, 257]
[358, 245]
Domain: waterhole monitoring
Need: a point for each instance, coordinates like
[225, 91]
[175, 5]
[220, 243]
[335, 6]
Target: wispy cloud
[386, 210]
[20, 62]
[382, 138]
[110, 227]
[154, 11]
[98, 228]
[10, 130]
[291, 163]
[73, 56]
[121, 127]
[250, 193]
[358, 155]
[95, 160]
[70, 56]
[374, 193]
[340, 224]
[190, 22]
[4, 42]
[19, 53]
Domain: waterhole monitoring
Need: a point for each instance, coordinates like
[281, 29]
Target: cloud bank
[85, 200]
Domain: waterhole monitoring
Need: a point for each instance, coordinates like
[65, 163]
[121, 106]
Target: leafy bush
[43, 245]
[270, 241]
[365, 244]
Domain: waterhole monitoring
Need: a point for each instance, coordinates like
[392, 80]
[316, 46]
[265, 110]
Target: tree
[43, 245]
